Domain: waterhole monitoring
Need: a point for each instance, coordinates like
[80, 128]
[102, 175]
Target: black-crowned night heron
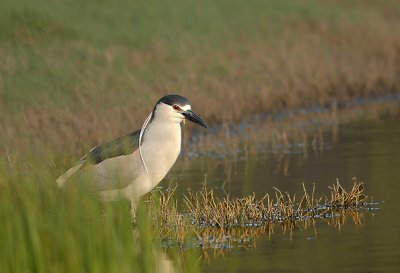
[131, 166]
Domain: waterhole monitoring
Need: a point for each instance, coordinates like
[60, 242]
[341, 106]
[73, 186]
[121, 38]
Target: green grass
[44, 231]
[139, 24]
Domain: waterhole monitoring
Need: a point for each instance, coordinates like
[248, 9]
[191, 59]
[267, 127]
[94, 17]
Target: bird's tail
[62, 179]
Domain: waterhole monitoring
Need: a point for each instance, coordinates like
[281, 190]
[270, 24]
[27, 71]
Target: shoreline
[291, 126]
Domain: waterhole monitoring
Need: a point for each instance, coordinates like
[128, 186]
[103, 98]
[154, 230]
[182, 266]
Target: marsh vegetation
[212, 222]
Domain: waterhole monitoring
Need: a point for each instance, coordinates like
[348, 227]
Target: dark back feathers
[121, 146]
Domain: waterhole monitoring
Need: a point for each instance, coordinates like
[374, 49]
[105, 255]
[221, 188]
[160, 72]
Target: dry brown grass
[209, 221]
[308, 132]
[308, 64]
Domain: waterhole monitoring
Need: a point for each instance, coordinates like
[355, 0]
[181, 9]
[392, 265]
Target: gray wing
[121, 146]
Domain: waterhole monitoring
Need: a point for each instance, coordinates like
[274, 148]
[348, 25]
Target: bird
[132, 165]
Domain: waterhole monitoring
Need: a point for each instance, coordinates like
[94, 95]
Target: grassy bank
[77, 74]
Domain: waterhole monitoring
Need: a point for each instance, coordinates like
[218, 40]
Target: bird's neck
[163, 130]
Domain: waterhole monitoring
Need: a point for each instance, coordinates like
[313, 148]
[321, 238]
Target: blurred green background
[72, 69]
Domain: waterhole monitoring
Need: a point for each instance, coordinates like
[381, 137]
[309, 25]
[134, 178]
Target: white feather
[62, 179]
[140, 141]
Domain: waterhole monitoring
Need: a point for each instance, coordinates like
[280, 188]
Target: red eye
[176, 107]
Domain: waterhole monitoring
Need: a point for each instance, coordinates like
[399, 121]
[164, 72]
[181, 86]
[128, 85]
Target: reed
[44, 230]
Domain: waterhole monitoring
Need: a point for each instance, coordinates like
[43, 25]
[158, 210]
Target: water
[368, 150]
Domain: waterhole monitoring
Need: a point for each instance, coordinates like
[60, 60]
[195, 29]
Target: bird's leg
[102, 210]
[133, 214]
[134, 204]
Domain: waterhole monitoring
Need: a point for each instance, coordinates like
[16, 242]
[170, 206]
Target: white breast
[160, 149]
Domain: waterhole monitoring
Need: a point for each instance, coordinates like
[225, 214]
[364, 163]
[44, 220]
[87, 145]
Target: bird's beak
[190, 115]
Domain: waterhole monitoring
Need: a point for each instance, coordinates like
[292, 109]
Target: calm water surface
[368, 150]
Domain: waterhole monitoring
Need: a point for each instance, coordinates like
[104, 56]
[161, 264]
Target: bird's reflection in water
[161, 262]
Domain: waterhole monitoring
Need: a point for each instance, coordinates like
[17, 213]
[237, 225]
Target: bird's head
[176, 108]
